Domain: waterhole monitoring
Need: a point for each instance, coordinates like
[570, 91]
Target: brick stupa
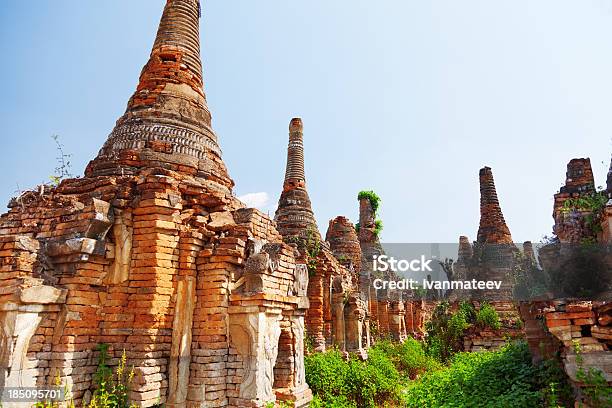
[344, 243]
[150, 253]
[493, 228]
[167, 122]
[294, 216]
[336, 314]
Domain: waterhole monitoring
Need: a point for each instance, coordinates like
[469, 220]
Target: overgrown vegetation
[374, 200]
[355, 383]
[404, 375]
[446, 328]
[372, 197]
[409, 357]
[591, 208]
[111, 388]
[67, 402]
[487, 317]
[311, 245]
[444, 331]
[596, 390]
[504, 378]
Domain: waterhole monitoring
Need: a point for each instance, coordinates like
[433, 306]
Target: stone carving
[255, 336]
[300, 287]
[122, 255]
[255, 267]
[298, 333]
[180, 354]
[242, 335]
[271, 338]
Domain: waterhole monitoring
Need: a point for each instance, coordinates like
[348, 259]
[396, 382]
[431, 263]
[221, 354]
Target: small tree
[63, 167]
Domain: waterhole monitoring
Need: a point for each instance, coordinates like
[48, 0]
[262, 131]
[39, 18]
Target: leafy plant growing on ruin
[592, 206]
[370, 196]
[374, 200]
[487, 316]
[68, 402]
[312, 245]
[446, 328]
[596, 390]
[378, 227]
[63, 168]
[444, 332]
[111, 388]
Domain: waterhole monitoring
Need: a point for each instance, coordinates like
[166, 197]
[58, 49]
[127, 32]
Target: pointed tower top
[167, 122]
[294, 216]
[294, 174]
[493, 228]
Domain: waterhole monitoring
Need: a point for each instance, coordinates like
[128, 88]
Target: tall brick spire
[294, 216]
[493, 228]
[294, 174]
[167, 122]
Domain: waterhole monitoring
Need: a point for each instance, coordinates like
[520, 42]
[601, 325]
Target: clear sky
[406, 97]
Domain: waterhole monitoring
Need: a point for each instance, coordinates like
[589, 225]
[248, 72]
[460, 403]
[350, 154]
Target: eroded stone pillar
[397, 326]
[338, 329]
[355, 315]
[180, 353]
[254, 333]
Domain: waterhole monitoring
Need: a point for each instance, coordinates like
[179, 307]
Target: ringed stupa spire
[294, 216]
[493, 228]
[167, 122]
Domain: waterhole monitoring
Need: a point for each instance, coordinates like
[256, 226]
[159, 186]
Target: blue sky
[409, 98]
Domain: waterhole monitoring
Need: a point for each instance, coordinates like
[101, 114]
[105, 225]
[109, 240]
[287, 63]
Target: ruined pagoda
[152, 254]
[336, 314]
[294, 216]
[570, 226]
[167, 122]
[493, 228]
[494, 247]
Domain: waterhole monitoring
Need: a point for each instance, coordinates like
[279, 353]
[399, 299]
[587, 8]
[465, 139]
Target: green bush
[339, 383]
[372, 197]
[327, 373]
[408, 357]
[375, 379]
[111, 388]
[333, 402]
[487, 317]
[378, 227]
[444, 332]
[504, 378]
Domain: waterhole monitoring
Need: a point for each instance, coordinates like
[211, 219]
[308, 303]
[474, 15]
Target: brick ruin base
[201, 293]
